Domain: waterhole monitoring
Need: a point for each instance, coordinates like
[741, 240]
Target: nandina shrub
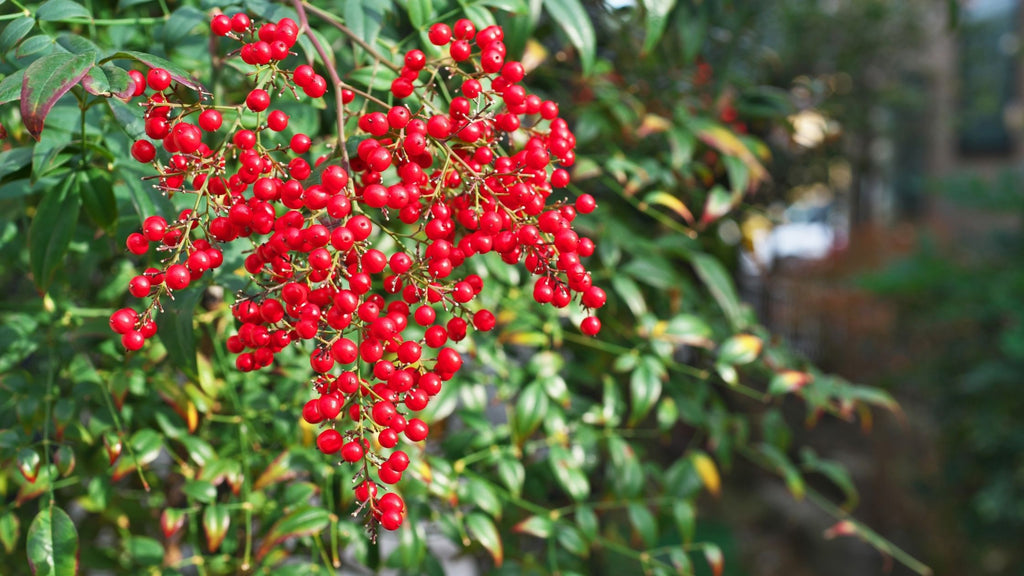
[365, 260]
[360, 229]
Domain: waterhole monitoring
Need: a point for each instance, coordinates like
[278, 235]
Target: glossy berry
[158, 79]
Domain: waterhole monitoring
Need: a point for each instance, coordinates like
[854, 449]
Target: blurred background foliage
[776, 191]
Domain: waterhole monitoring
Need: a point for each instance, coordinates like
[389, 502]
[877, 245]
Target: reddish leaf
[481, 529]
[716, 561]
[280, 469]
[45, 81]
[538, 526]
[113, 445]
[216, 522]
[171, 521]
[28, 464]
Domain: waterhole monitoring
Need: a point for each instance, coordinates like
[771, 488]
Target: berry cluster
[363, 257]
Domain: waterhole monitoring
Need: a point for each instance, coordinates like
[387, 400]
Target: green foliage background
[555, 453]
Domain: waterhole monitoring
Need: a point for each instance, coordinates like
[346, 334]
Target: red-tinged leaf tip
[45, 81]
[171, 521]
[841, 528]
[216, 522]
[716, 561]
[28, 464]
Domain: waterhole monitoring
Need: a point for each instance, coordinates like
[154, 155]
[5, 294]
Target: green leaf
[145, 551]
[374, 79]
[76, 44]
[420, 12]
[45, 81]
[685, 516]
[303, 521]
[108, 80]
[10, 531]
[64, 459]
[655, 18]
[510, 6]
[682, 143]
[627, 476]
[10, 88]
[569, 473]
[481, 493]
[364, 18]
[177, 332]
[570, 538]
[181, 24]
[719, 283]
[644, 387]
[482, 529]
[512, 475]
[200, 491]
[61, 10]
[740, 349]
[587, 521]
[216, 521]
[53, 543]
[479, 15]
[15, 31]
[687, 329]
[98, 199]
[34, 45]
[178, 74]
[539, 526]
[782, 465]
[835, 472]
[644, 522]
[51, 230]
[531, 408]
[575, 22]
[630, 293]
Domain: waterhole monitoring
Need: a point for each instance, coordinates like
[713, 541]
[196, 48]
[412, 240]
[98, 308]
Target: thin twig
[332, 71]
[329, 18]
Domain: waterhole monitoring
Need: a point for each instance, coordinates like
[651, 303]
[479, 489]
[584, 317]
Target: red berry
[240, 22]
[590, 326]
[210, 120]
[143, 151]
[391, 520]
[585, 204]
[138, 83]
[132, 340]
[258, 100]
[139, 287]
[303, 75]
[158, 79]
[464, 29]
[277, 121]
[416, 430]
[177, 277]
[352, 451]
[137, 243]
[220, 25]
[440, 34]
[329, 441]
[415, 59]
[460, 50]
[123, 320]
